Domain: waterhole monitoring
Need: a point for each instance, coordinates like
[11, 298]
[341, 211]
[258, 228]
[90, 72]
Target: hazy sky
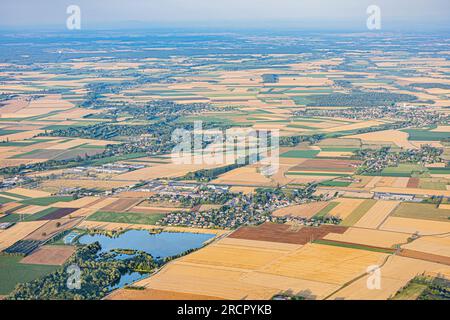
[338, 14]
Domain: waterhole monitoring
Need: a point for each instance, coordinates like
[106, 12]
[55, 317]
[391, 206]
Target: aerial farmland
[355, 176]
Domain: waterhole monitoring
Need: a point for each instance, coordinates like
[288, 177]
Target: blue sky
[331, 14]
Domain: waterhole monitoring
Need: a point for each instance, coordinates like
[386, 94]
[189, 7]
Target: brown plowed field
[425, 256]
[58, 214]
[283, 233]
[413, 183]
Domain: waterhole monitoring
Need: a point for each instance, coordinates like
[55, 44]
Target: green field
[5, 200]
[439, 170]
[403, 170]
[411, 292]
[322, 213]
[27, 217]
[425, 135]
[424, 211]
[351, 245]
[300, 154]
[18, 196]
[13, 272]
[333, 183]
[6, 132]
[433, 183]
[46, 200]
[358, 213]
[126, 217]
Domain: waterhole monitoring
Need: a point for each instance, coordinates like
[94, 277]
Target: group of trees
[98, 273]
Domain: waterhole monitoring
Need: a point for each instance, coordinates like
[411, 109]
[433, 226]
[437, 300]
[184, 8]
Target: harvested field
[82, 212]
[121, 205]
[395, 274]
[394, 136]
[17, 232]
[423, 227]
[314, 262]
[401, 182]
[30, 193]
[170, 170]
[153, 294]
[382, 239]
[284, 233]
[353, 126]
[377, 214]
[233, 256]
[95, 184]
[345, 207]
[78, 203]
[327, 165]
[224, 283]
[244, 176]
[358, 212]
[244, 190]
[438, 245]
[30, 210]
[306, 210]
[52, 228]
[100, 203]
[49, 255]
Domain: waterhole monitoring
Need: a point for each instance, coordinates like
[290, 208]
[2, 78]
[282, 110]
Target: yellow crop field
[399, 138]
[170, 170]
[78, 203]
[438, 245]
[205, 280]
[233, 256]
[243, 175]
[302, 210]
[353, 126]
[323, 263]
[400, 182]
[395, 274]
[377, 238]
[30, 209]
[377, 214]
[345, 207]
[408, 225]
[17, 232]
[30, 193]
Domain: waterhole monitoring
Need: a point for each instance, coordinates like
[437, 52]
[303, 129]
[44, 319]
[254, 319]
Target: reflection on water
[159, 246]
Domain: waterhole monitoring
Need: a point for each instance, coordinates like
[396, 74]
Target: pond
[160, 245]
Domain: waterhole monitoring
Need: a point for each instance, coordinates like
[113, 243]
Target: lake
[160, 245]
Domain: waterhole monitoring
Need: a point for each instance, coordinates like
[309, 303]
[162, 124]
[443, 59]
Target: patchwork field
[375, 216]
[49, 255]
